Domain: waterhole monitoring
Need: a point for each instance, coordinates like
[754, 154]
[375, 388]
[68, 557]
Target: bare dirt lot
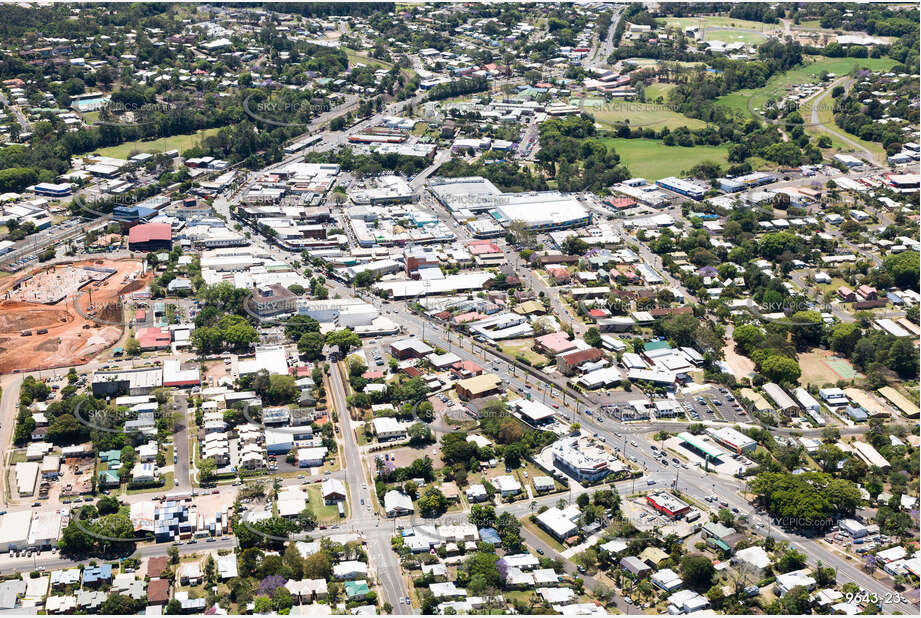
[72, 337]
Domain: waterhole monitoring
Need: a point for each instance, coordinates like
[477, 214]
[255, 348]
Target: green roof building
[357, 589]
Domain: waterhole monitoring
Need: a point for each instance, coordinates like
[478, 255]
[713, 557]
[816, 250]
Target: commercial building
[683, 187]
[732, 439]
[700, 447]
[14, 530]
[388, 428]
[781, 399]
[396, 503]
[579, 463]
[870, 455]
[26, 477]
[560, 523]
[543, 211]
[668, 504]
[274, 299]
[150, 237]
[533, 412]
[479, 386]
[741, 183]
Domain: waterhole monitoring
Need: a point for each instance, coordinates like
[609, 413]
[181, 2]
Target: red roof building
[154, 338]
[569, 361]
[158, 591]
[150, 237]
[668, 504]
[466, 369]
[621, 202]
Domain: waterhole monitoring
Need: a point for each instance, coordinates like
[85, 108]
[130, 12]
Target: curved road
[835, 131]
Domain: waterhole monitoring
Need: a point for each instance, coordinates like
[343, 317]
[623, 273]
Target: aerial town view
[452, 308]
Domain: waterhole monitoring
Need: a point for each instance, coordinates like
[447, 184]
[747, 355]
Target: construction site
[64, 314]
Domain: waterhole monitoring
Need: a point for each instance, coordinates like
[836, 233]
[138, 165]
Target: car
[650, 482]
[717, 402]
[632, 442]
[540, 551]
[407, 601]
[401, 600]
[362, 501]
[36, 504]
[211, 539]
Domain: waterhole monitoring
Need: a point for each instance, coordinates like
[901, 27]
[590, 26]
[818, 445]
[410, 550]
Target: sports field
[735, 36]
[175, 142]
[652, 159]
[718, 21]
[821, 367]
[650, 114]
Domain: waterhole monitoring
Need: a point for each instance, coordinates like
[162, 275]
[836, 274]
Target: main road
[694, 482]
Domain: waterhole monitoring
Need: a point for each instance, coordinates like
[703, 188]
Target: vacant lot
[176, 142]
[651, 159]
[522, 347]
[404, 456]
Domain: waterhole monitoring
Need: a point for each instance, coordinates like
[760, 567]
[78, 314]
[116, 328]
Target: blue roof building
[97, 574]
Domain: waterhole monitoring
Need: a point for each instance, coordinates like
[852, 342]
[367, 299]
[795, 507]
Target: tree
[281, 599]
[310, 346]
[263, 605]
[697, 572]
[346, 339]
[419, 435]
[107, 505]
[299, 325]
[432, 503]
[482, 516]
[281, 389]
[364, 279]
[781, 369]
[132, 346]
[593, 337]
[65, 429]
[206, 469]
[74, 541]
[318, 566]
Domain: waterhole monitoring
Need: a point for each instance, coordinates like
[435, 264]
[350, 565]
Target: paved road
[378, 539]
[831, 129]
[695, 482]
[9, 410]
[181, 443]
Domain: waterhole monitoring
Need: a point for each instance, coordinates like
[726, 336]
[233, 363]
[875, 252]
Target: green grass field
[325, 513]
[638, 114]
[734, 36]
[357, 57]
[718, 22]
[829, 128]
[744, 101]
[176, 142]
[652, 159]
[655, 90]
